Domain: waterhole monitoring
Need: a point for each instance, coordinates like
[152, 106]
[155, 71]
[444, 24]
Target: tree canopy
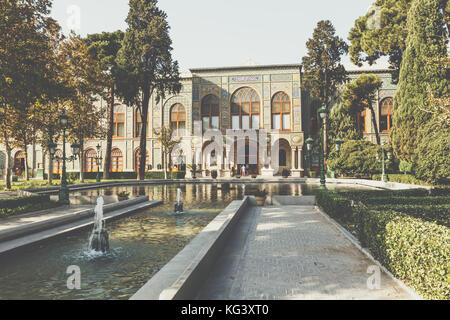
[323, 71]
[146, 64]
[360, 95]
[426, 44]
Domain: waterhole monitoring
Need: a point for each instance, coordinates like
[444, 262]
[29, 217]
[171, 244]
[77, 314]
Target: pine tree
[343, 124]
[360, 95]
[146, 64]
[104, 48]
[427, 41]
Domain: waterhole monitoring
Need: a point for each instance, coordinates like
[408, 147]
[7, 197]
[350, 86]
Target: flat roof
[257, 67]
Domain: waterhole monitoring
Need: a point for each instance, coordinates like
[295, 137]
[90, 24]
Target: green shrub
[356, 158]
[419, 253]
[413, 250]
[406, 230]
[438, 213]
[432, 154]
[159, 175]
[336, 206]
[401, 178]
[405, 166]
[18, 205]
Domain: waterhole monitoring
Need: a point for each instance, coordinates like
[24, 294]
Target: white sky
[215, 33]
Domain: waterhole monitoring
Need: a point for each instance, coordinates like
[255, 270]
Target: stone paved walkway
[293, 252]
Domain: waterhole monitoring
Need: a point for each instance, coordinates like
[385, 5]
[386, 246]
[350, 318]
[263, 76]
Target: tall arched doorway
[246, 153]
[282, 158]
[19, 163]
[137, 160]
[57, 163]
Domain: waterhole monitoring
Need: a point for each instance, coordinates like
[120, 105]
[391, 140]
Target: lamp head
[338, 142]
[323, 112]
[309, 143]
[75, 148]
[64, 120]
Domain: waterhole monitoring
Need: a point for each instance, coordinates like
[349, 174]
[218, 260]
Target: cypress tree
[426, 43]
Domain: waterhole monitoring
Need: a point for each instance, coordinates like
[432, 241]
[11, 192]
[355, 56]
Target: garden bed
[20, 205]
[407, 231]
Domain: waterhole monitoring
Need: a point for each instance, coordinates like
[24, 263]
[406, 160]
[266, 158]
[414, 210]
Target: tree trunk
[374, 123]
[25, 152]
[8, 161]
[143, 140]
[165, 156]
[81, 160]
[50, 169]
[107, 167]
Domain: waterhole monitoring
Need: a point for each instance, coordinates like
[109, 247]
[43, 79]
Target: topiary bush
[356, 158]
[406, 230]
[432, 161]
[405, 166]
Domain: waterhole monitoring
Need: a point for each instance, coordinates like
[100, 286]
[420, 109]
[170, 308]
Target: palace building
[268, 98]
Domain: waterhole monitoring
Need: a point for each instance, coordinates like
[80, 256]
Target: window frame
[388, 115]
[178, 121]
[116, 125]
[281, 113]
[90, 162]
[211, 114]
[245, 92]
[116, 165]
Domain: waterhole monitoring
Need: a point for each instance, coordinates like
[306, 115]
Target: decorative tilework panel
[296, 92]
[195, 93]
[281, 77]
[245, 79]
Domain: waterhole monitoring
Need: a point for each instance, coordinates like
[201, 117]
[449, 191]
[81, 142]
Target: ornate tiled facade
[222, 84]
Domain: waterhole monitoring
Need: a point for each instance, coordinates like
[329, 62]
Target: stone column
[300, 162]
[293, 158]
[295, 172]
[189, 162]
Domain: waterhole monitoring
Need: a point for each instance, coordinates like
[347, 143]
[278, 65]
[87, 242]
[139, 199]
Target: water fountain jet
[179, 203]
[99, 240]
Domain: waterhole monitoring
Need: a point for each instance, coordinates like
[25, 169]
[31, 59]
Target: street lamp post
[309, 143]
[338, 143]
[383, 162]
[98, 160]
[63, 195]
[323, 115]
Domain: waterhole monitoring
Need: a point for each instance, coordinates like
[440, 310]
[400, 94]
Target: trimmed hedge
[18, 205]
[159, 175]
[151, 175]
[401, 178]
[407, 231]
[414, 250]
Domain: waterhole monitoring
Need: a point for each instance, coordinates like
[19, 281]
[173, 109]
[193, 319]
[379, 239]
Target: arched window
[245, 106]
[178, 119]
[90, 161]
[19, 163]
[119, 125]
[386, 115]
[210, 112]
[361, 121]
[137, 160]
[57, 162]
[281, 112]
[138, 126]
[116, 160]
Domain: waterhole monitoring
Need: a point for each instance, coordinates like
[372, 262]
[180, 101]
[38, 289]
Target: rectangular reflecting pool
[141, 244]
